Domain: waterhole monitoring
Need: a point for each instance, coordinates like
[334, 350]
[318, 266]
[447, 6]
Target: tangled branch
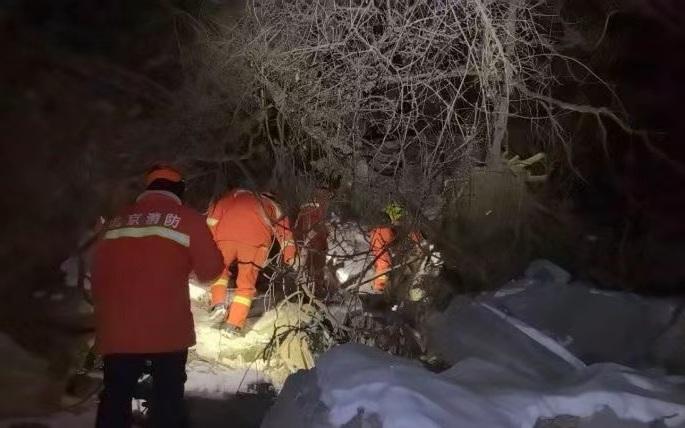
[411, 90]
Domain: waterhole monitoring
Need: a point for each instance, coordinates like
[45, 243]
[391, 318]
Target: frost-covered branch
[412, 90]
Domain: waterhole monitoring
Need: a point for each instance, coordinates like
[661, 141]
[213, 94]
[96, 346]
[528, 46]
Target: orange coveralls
[244, 225]
[381, 238]
[312, 233]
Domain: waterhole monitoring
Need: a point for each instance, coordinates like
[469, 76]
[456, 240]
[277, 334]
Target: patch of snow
[544, 349]
[196, 292]
[669, 349]
[509, 291]
[353, 385]
[605, 293]
[348, 245]
[468, 330]
[608, 419]
[342, 274]
[546, 271]
[547, 342]
[595, 325]
[211, 380]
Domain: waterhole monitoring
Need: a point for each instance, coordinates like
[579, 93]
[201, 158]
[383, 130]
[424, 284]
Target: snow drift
[532, 351]
[355, 386]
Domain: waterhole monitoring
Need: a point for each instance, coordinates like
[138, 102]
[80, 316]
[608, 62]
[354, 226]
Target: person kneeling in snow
[142, 307]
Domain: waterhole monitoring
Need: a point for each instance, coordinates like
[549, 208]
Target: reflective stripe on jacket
[140, 275]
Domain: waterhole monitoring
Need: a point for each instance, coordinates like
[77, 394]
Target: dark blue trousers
[122, 371]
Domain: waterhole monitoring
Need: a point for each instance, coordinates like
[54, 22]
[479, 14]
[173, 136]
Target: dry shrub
[397, 95]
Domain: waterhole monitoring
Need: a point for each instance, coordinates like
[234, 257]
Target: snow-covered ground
[216, 395]
[213, 395]
[541, 351]
[507, 372]
[357, 386]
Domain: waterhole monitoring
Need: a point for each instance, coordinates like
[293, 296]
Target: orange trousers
[382, 267]
[250, 261]
[381, 239]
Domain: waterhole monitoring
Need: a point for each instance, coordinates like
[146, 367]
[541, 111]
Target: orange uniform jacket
[140, 275]
[381, 239]
[251, 219]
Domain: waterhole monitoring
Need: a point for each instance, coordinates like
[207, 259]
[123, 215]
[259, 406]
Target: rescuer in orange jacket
[140, 276]
[244, 224]
[311, 233]
[381, 240]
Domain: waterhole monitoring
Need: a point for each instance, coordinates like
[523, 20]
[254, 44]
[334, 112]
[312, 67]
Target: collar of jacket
[170, 195]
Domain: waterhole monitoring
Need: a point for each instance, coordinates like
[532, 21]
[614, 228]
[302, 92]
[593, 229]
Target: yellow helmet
[394, 211]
